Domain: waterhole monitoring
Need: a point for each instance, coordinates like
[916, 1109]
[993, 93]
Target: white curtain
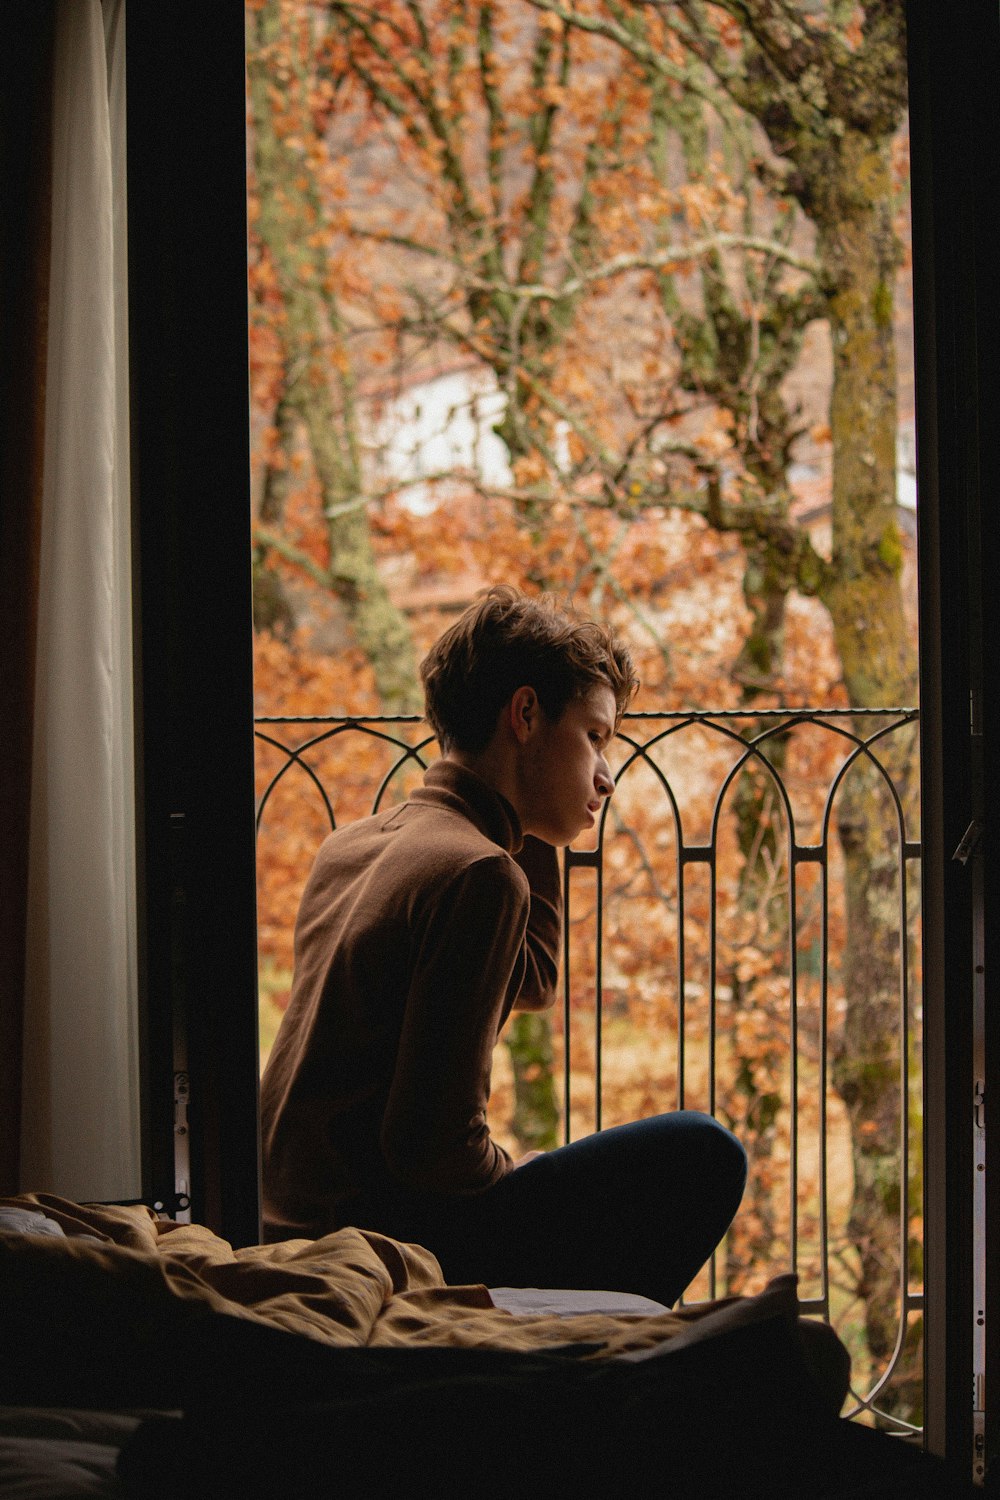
[81, 1106]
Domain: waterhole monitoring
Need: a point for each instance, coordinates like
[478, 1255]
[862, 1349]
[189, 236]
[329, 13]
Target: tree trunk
[865, 601]
[860, 252]
[760, 918]
[272, 608]
[287, 224]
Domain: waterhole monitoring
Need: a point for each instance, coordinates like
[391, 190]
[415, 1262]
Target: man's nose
[603, 780]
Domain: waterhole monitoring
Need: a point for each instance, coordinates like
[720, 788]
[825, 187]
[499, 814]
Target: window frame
[189, 377]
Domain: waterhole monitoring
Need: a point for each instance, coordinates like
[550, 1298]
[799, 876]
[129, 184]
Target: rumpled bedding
[120, 1271]
[126, 1309]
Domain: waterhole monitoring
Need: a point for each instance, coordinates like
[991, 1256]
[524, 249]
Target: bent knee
[726, 1158]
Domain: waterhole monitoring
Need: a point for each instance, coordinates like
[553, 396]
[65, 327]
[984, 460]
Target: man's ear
[524, 711]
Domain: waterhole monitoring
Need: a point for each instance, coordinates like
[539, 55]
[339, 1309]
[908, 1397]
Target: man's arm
[435, 1137]
[540, 863]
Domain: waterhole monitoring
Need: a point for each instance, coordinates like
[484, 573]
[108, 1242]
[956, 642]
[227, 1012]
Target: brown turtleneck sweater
[419, 930]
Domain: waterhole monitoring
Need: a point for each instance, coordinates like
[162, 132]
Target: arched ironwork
[865, 737]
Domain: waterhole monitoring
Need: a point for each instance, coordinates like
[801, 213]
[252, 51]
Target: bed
[143, 1358]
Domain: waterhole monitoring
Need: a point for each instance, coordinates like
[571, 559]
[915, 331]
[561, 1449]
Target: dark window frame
[954, 133]
[186, 128]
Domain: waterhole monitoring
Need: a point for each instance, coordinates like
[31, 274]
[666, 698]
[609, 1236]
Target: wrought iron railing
[714, 925]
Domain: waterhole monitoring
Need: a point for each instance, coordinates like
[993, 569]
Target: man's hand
[528, 1156]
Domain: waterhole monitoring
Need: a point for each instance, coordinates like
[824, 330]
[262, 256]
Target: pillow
[27, 1221]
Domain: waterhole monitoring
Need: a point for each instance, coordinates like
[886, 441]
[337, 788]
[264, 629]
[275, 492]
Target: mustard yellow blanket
[124, 1269]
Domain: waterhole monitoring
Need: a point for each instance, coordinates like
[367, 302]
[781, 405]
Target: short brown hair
[508, 640]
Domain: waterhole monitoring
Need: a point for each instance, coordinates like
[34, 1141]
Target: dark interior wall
[190, 457]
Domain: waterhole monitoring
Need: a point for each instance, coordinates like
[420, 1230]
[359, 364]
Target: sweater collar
[447, 784]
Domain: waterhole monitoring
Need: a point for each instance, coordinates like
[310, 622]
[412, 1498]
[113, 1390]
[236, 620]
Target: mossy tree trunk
[313, 334]
[865, 601]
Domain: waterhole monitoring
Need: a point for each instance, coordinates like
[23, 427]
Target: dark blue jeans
[637, 1208]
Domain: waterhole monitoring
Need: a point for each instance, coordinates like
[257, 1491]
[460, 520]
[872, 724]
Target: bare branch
[631, 40]
[267, 537]
[670, 257]
[602, 566]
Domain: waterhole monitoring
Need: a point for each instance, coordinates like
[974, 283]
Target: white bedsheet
[533, 1300]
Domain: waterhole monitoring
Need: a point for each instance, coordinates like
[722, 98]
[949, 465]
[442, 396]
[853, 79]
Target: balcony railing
[706, 933]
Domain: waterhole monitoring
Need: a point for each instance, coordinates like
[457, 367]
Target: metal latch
[968, 842]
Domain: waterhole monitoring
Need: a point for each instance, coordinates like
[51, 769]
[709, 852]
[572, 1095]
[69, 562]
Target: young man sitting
[420, 929]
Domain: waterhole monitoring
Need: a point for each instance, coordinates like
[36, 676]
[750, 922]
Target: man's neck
[491, 766]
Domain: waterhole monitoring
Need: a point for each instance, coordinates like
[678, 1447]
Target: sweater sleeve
[540, 863]
[468, 954]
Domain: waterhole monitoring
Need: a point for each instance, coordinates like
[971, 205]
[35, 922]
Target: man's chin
[563, 838]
